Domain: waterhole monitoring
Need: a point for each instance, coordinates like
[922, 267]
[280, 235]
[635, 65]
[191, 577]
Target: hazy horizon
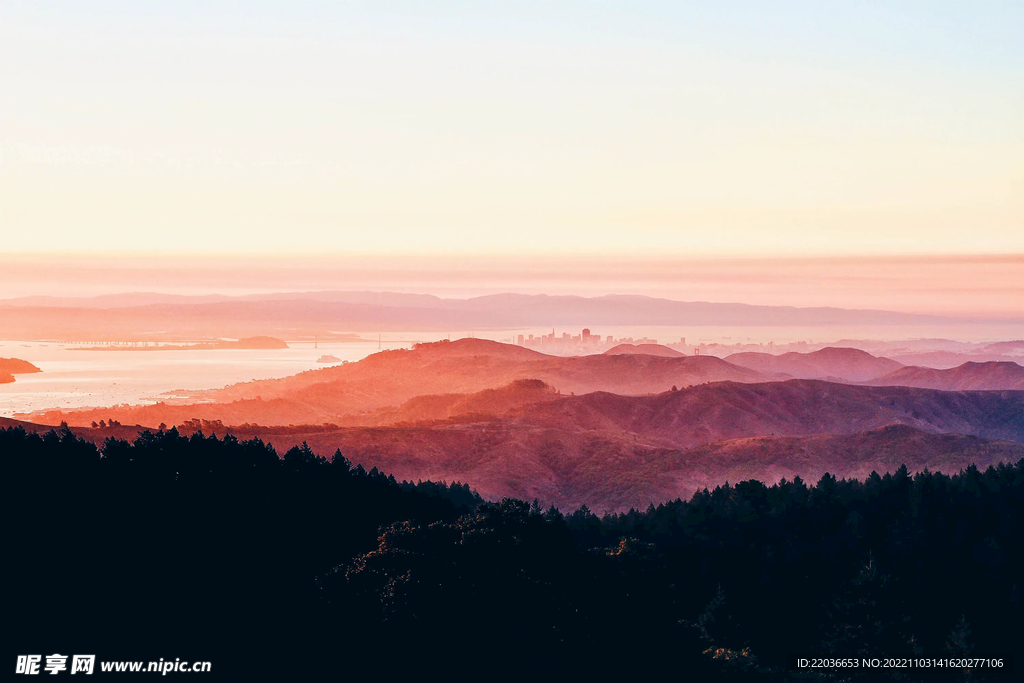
[966, 286]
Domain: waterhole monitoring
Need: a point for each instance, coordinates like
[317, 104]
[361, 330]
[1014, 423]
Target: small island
[9, 367]
[328, 358]
[254, 343]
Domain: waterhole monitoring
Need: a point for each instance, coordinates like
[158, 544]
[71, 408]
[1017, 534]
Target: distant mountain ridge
[504, 419]
[461, 407]
[613, 452]
[731, 410]
[643, 349]
[134, 299]
[611, 471]
[945, 360]
[614, 471]
[991, 375]
[841, 363]
[390, 378]
[379, 385]
[134, 316]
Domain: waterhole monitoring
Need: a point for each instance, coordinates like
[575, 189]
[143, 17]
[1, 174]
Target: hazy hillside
[615, 471]
[944, 360]
[619, 451]
[644, 349]
[992, 375]
[613, 452]
[482, 404]
[390, 378]
[729, 410]
[836, 363]
[771, 458]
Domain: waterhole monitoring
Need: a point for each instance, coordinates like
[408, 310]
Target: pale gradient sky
[655, 128]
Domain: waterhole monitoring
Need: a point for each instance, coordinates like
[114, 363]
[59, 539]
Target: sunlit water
[77, 379]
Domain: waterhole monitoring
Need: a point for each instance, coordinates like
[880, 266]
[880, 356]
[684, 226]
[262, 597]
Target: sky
[529, 129]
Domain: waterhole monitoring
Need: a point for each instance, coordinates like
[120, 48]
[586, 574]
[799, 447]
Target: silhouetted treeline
[299, 567]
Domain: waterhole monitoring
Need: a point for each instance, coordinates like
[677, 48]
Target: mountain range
[611, 430]
[390, 378]
[144, 316]
[620, 451]
[613, 472]
[991, 375]
[840, 363]
[613, 453]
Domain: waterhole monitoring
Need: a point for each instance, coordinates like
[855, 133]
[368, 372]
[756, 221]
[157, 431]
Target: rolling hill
[616, 471]
[730, 410]
[991, 375]
[390, 378]
[852, 365]
[643, 349]
[612, 452]
[944, 360]
[479, 405]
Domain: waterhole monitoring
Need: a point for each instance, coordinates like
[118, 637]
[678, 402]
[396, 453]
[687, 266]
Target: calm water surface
[77, 379]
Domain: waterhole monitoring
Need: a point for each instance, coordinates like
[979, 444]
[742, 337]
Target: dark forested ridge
[299, 567]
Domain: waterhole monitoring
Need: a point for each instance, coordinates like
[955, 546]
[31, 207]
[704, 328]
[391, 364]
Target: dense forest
[300, 567]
